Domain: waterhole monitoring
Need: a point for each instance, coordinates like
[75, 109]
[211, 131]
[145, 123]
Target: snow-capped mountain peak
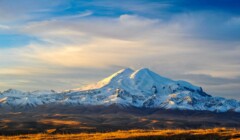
[140, 88]
[145, 73]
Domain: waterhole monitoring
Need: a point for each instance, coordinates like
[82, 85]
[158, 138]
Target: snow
[110, 80]
[140, 88]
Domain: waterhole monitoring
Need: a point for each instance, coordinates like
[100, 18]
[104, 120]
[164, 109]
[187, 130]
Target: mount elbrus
[141, 88]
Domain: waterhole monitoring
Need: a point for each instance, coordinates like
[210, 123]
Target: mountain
[126, 88]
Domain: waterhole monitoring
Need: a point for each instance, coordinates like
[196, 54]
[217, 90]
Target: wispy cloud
[4, 27]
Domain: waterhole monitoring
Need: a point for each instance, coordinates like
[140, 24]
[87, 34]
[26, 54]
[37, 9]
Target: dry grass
[208, 134]
[59, 122]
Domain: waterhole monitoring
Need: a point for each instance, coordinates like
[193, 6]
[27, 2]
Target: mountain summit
[140, 88]
[143, 81]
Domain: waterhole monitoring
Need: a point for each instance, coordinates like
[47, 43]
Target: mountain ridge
[140, 88]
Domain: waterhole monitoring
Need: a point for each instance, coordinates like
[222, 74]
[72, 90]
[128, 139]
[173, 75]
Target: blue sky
[64, 44]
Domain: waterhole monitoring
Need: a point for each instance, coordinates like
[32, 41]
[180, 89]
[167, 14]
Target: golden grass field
[196, 134]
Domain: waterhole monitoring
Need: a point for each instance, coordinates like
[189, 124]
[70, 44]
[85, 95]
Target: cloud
[144, 38]
[4, 27]
[82, 55]
[95, 45]
[18, 10]
[211, 80]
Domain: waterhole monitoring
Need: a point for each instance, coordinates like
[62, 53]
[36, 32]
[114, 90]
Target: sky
[65, 44]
